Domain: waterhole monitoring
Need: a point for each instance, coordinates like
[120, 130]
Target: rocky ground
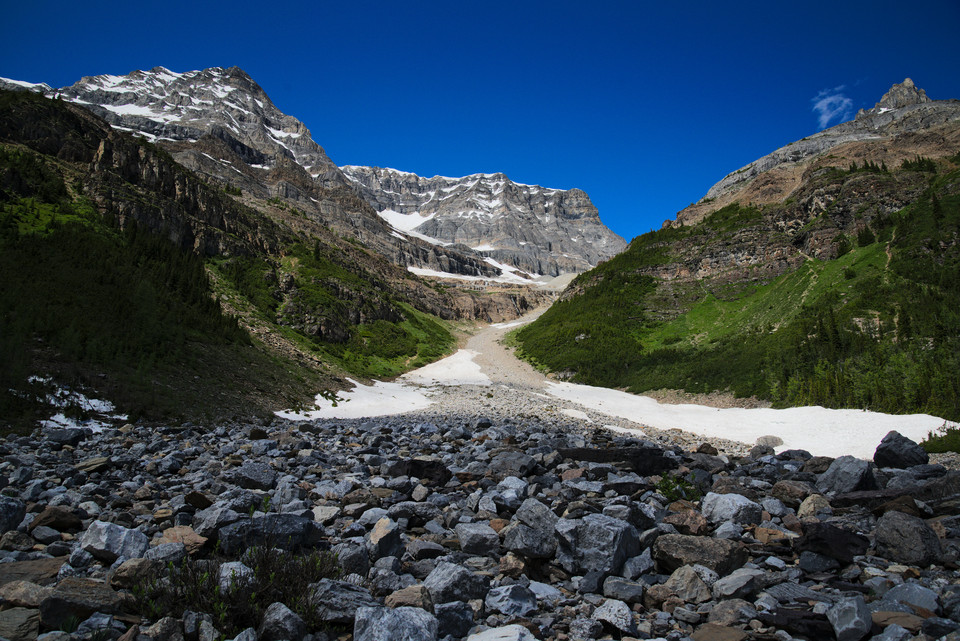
[470, 526]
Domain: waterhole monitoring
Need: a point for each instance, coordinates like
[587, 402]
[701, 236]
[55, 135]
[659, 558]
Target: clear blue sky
[642, 105]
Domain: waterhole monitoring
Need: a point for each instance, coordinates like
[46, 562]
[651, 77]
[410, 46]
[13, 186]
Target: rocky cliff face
[540, 230]
[905, 123]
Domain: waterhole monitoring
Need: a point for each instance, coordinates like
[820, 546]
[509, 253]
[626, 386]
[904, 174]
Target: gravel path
[517, 391]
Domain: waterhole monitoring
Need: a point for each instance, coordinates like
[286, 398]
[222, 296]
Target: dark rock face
[907, 539]
[896, 450]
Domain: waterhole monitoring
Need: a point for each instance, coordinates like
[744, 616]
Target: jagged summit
[538, 229]
[225, 103]
[900, 95]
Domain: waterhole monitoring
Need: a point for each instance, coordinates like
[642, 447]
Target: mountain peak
[903, 94]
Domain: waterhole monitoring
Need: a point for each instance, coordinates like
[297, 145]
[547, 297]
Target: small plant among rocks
[676, 488]
[236, 596]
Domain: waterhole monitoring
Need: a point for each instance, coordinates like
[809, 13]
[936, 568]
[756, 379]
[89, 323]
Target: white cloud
[832, 105]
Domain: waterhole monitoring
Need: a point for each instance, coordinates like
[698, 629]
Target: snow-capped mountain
[222, 124]
[541, 230]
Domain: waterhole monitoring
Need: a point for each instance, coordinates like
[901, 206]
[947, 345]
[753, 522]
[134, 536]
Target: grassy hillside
[107, 248]
[877, 327]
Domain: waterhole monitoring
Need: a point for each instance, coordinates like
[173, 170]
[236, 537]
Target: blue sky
[642, 105]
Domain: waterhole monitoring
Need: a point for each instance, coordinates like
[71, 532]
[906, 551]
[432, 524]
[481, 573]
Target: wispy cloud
[832, 105]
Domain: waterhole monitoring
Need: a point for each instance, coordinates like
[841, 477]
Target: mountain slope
[321, 306]
[840, 291]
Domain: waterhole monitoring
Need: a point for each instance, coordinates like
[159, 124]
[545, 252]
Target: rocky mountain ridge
[541, 230]
[903, 124]
[220, 123]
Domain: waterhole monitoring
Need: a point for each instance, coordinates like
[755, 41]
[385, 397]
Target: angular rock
[186, 536]
[672, 551]
[736, 508]
[451, 582]
[109, 541]
[530, 542]
[281, 623]
[714, 632]
[455, 618]
[477, 538]
[338, 601]
[514, 600]
[847, 474]
[896, 450]
[595, 543]
[384, 539]
[23, 594]
[687, 585]
[41, 571]
[742, 583]
[430, 470]
[829, 540]
[511, 632]
[913, 594]
[511, 463]
[399, 624]
[12, 512]
[630, 592]
[618, 615]
[77, 597]
[254, 475]
[57, 517]
[19, 624]
[850, 619]
[414, 596]
[907, 539]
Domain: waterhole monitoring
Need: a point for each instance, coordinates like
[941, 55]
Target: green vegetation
[277, 576]
[945, 439]
[677, 488]
[876, 328]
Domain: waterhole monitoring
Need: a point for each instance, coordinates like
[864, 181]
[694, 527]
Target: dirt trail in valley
[499, 363]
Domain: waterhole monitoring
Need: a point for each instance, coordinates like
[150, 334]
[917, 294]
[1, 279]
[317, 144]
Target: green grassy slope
[878, 327]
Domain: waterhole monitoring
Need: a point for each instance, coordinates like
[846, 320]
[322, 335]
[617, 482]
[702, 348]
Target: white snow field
[821, 431]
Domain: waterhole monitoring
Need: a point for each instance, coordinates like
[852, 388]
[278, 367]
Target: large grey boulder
[896, 450]
[451, 582]
[254, 475]
[384, 539]
[723, 556]
[595, 543]
[477, 538]
[847, 474]
[850, 619]
[109, 541]
[907, 539]
[736, 508]
[281, 623]
[513, 600]
[394, 624]
[338, 601]
[513, 632]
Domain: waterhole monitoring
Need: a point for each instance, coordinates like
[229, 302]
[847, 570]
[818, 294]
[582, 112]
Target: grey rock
[615, 587]
[384, 539]
[850, 619]
[477, 538]
[637, 566]
[616, 614]
[595, 542]
[721, 508]
[109, 541]
[741, 583]
[512, 632]
[686, 583]
[907, 539]
[585, 629]
[279, 623]
[454, 618]
[451, 582]
[12, 512]
[847, 474]
[166, 629]
[167, 553]
[19, 624]
[209, 522]
[247, 635]
[514, 600]
[234, 574]
[338, 601]
[395, 624]
[353, 558]
[939, 627]
[894, 632]
[896, 450]
[913, 594]
[511, 463]
[530, 542]
[254, 475]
